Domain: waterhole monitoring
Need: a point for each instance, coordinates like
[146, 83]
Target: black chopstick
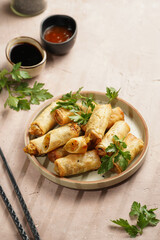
[13, 215]
[20, 198]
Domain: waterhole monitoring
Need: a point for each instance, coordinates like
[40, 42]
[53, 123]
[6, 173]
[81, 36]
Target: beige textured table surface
[118, 44]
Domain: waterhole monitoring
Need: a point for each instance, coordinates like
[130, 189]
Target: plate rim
[106, 181]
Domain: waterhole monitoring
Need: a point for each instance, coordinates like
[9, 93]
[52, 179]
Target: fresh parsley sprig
[20, 95]
[70, 101]
[115, 154]
[111, 93]
[144, 217]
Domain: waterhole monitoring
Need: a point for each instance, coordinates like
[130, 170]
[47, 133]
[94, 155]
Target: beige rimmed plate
[93, 180]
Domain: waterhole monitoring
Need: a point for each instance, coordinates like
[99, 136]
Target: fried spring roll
[120, 128]
[35, 146]
[61, 116]
[44, 122]
[77, 145]
[98, 122]
[116, 115]
[59, 136]
[134, 146]
[57, 153]
[52, 140]
[77, 163]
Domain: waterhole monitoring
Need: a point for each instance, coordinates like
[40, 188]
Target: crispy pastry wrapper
[44, 122]
[35, 146]
[98, 122]
[77, 145]
[134, 146]
[116, 115]
[77, 163]
[59, 136]
[61, 116]
[52, 140]
[57, 153]
[120, 128]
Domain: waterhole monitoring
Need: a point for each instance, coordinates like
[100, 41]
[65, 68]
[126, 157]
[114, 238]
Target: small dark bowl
[59, 20]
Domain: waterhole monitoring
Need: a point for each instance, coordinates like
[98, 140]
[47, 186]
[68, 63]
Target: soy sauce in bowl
[25, 53]
[29, 52]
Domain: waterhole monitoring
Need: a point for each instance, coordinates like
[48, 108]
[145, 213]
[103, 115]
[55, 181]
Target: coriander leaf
[76, 118]
[3, 78]
[89, 102]
[20, 94]
[70, 95]
[38, 94]
[116, 155]
[23, 104]
[122, 162]
[24, 74]
[69, 101]
[106, 165]
[126, 155]
[135, 209]
[11, 102]
[132, 230]
[82, 118]
[142, 221]
[111, 148]
[119, 142]
[16, 66]
[144, 216]
[154, 221]
[111, 93]
[16, 75]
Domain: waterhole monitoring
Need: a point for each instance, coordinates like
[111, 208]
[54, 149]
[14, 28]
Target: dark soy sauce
[25, 53]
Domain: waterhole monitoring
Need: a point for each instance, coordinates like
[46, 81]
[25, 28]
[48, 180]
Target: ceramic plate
[93, 180]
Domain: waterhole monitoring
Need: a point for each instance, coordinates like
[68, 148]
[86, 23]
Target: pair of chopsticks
[22, 202]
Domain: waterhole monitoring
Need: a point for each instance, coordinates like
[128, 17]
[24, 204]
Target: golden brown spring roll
[134, 146]
[116, 115]
[44, 122]
[57, 153]
[120, 128]
[59, 136]
[77, 145]
[77, 163]
[98, 122]
[61, 116]
[52, 140]
[35, 146]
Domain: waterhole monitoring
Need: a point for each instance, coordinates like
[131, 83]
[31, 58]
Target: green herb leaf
[132, 230]
[144, 216]
[135, 209]
[69, 101]
[106, 165]
[21, 96]
[111, 93]
[81, 119]
[115, 154]
[12, 102]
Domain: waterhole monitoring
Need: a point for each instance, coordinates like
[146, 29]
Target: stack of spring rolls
[77, 149]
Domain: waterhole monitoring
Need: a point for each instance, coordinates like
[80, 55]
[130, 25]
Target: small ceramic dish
[92, 180]
[64, 23]
[29, 52]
